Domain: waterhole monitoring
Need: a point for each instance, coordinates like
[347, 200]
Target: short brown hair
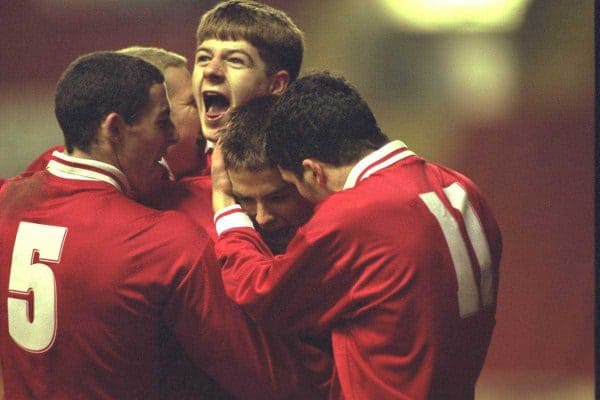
[244, 140]
[97, 84]
[279, 42]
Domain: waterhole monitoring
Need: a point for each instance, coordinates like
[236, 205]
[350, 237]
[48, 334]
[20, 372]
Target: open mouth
[215, 104]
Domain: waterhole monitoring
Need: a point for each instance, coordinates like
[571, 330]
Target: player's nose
[214, 69]
[263, 216]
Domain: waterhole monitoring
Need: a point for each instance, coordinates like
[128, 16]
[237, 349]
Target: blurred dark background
[511, 106]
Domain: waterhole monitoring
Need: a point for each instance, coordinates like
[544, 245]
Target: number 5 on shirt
[468, 293]
[32, 286]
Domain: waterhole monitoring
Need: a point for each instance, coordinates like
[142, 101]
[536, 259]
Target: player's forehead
[257, 184]
[228, 46]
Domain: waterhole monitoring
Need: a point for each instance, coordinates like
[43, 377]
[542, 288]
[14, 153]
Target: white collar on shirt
[210, 146]
[381, 158]
[69, 167]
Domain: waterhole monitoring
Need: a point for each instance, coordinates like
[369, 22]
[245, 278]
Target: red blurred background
[513, 110]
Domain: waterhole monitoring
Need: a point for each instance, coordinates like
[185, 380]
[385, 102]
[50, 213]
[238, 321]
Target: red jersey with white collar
[99, 292]
[191, 195]
[43, 159]
[401, 268]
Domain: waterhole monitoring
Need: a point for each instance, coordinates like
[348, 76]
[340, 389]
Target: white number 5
[468, 294]
[32, 286]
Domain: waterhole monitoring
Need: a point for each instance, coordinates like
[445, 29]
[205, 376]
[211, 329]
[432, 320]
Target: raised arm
[230, 347]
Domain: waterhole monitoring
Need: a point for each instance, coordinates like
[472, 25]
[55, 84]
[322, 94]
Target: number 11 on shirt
[468, 293]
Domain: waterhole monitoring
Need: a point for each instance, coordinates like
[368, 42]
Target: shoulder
[185, 190]
[42, 160]
[196, 180]
[450, 175]
[199, 184]
[171, 224]
[336, 217]
[168, 242]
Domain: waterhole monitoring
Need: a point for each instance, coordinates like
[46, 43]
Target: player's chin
[278, 240]
[211, 130]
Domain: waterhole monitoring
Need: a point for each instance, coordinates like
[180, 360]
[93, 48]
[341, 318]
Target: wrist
[221, 200]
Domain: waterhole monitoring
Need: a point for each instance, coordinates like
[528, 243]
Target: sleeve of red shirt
[227, 344]
[288, 293]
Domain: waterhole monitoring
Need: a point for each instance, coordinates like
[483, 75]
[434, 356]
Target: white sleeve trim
[231, 217]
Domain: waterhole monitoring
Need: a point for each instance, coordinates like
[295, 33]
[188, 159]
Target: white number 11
[468, 294]
[32, 286]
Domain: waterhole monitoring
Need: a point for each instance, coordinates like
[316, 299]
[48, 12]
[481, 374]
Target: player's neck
[336, 176]
[96, 153]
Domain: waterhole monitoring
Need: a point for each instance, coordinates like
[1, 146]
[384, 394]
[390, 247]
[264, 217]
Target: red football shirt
[43, 159]
[192, 195]
[98, 290]
[401, 268]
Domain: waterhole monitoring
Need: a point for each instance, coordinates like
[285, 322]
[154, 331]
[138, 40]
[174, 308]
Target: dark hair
[97, 84]
[278, 40]
[321, 116]
[244, 141]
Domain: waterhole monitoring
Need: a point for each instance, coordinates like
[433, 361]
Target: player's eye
[278, 198]
[202, 59]
[236, 60]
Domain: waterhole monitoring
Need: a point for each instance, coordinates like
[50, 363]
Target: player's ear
[279, 82]
[112, 127]
[314, 173]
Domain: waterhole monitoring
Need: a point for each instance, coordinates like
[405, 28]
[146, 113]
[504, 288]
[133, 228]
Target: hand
[221, 184]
